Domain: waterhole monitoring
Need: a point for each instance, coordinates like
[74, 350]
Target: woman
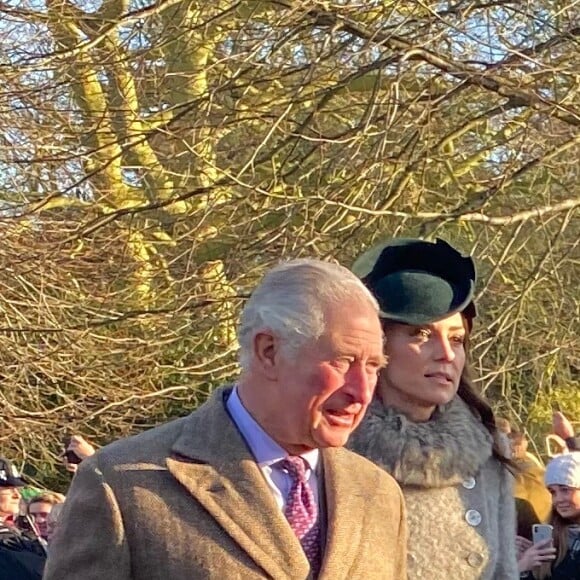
[563, 482]
[428, 427]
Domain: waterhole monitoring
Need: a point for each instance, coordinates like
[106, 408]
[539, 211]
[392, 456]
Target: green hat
[418, 282]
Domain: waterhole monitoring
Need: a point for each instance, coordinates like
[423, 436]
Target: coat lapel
[211, 460]
[346, 508]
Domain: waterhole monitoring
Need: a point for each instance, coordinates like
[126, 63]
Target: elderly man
[255, 483]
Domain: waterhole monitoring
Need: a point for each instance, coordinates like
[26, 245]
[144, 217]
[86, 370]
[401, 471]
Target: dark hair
[481, 408]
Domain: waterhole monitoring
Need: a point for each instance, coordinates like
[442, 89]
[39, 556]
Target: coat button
[473, 517]
[475, 560]
[411, 560]
[468, 483]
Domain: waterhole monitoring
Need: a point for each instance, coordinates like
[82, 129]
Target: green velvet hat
[418, 282]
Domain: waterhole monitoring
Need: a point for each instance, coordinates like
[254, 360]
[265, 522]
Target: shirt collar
[266, 451]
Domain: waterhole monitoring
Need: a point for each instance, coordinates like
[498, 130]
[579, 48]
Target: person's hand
[522, 544]
[72, 467]
[562, 426]
[536, 554]
[81, 448]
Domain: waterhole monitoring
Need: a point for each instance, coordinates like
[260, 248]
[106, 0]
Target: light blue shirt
[268, 453]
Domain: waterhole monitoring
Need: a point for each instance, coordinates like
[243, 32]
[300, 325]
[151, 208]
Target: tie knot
[296, 466]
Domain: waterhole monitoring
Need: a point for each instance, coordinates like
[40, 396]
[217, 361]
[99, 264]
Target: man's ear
[267, 353]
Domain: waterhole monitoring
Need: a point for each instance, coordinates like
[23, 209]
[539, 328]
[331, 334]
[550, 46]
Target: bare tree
[156, 157]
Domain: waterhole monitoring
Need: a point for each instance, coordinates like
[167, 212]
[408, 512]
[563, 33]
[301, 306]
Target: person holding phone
[562, 562]
[533, 553]
[76, 450]
[427, 426]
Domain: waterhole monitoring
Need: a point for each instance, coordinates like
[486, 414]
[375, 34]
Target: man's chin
[332, 438]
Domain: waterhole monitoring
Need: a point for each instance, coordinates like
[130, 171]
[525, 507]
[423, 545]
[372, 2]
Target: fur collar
[445, 450]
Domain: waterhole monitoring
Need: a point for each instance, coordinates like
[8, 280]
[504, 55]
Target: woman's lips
[442, 378]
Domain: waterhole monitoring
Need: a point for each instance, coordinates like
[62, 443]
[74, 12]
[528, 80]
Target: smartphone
[71, 456]
[24, 523]
[542, 532]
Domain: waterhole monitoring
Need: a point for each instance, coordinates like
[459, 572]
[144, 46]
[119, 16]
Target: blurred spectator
[40, 507]
[503, 425]
[562, 427]
[529, 485]
[519, 447]
[526, 518]
[20, 557]
[9, 499]
[77, 449]
[52, 521]
[562, 562]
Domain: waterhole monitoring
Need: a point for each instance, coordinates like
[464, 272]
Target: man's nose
[360, 384]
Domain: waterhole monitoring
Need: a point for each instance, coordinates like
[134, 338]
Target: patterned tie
[302, 512]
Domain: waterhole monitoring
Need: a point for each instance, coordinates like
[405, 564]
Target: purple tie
[302, 512]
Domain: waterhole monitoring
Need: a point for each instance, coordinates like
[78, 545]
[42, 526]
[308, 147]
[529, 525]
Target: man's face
[9, 500]
[39, 511]
[320, 395]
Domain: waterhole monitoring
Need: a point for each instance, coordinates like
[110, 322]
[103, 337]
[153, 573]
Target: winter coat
[460, 506]
[187, 501]
[20, 557]
[568, 568]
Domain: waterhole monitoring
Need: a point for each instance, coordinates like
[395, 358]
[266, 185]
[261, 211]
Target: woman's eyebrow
[455, 328]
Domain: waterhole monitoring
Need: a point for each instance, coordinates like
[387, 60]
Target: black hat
[418, 282]
[9, 476]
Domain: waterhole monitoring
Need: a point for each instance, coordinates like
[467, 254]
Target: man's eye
[374, 367]
[343, 363]
[458, 339]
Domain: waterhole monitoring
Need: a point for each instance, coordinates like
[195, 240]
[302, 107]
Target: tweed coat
[460, 506]
[187, 500]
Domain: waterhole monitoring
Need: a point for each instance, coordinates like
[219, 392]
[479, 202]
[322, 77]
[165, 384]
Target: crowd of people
[28, 515]
[352, 445]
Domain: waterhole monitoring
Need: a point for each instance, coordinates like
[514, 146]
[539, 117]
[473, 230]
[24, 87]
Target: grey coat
[460, 506]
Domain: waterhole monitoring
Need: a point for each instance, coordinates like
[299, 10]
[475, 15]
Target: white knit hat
[564, 470]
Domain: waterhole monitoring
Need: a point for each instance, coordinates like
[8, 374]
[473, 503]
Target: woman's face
[566, 501]
[424, 366]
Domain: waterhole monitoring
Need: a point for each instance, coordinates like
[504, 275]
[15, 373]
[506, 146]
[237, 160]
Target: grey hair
[291, 302]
